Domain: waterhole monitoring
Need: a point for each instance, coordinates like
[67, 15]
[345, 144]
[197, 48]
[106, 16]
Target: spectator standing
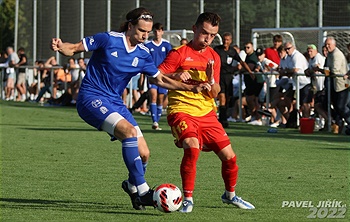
[337, 65]
[158, 48]
[253, 86]
[12, 60]
[227, 70]
[317, 82]
[21, 83]
[296, 66]
[192, 117]
[116, 58]
[271, 52]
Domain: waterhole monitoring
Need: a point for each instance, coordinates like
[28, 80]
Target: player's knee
[190, 142]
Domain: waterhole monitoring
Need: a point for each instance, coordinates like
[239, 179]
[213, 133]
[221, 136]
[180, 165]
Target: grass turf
[55, 167]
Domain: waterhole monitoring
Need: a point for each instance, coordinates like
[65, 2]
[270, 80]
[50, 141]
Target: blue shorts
[160, 90]
[94, 109]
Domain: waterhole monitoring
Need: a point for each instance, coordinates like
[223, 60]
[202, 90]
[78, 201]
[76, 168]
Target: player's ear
[194, 28]
[129, 26]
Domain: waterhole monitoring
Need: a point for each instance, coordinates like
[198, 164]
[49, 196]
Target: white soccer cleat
[238, 202]
[187, 206]
[155, 126]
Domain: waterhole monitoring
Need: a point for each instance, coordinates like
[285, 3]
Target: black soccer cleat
[133, 196]
[147, 199]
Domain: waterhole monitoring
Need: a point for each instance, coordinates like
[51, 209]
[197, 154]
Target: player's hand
[200, 87]
[183, 76]
[210, 70]
[55, 44]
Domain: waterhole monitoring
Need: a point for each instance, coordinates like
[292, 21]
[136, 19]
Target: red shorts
[207, 129]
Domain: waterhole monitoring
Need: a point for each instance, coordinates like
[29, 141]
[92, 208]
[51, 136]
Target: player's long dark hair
[134, 16]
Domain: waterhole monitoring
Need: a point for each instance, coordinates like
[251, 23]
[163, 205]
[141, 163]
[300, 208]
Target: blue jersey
[112, 64]
[159, 51]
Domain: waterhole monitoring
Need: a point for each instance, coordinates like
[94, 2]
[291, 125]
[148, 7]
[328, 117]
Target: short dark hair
[157, 26]
[280, 49]
[213, 18]
[134, 16]
[277, 38]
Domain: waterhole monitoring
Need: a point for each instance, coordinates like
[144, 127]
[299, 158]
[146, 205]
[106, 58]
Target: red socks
[188, 170]
[229, 171]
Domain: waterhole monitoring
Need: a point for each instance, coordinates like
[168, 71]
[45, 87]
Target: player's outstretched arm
[169, 83]
[66, 48]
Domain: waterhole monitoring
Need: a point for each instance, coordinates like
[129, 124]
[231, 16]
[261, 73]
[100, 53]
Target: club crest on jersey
[163, 49]
[96, 103]
[91, 40]
[135, 62]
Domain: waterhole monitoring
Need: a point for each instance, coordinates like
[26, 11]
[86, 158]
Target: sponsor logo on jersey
[188, 59]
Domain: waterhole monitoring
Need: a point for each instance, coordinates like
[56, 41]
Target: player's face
[204, 34]
[158, 34]
[139, 32]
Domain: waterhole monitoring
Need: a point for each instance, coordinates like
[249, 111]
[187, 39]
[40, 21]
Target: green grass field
[55, 167]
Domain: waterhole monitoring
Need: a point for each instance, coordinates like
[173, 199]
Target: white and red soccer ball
[167, 198]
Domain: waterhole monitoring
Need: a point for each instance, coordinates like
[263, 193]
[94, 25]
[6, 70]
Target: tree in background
[7, 23]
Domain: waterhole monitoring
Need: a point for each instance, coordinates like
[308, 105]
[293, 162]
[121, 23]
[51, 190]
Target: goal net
[302, 37]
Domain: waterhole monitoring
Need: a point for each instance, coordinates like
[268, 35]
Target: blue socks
[133, 161]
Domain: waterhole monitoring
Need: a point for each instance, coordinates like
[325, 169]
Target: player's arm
[169, 83]
[66, 48]
[215, 87]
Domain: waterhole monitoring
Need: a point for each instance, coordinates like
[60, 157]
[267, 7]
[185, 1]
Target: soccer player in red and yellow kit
[192, 117]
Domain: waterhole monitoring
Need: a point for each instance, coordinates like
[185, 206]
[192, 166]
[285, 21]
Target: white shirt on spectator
[319, 61]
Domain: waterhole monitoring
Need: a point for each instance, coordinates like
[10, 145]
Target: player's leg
[115, 124]
[153, 92]
[160, 101]
[229, 172]
[185, 130]
[188, 170]
[215, 139]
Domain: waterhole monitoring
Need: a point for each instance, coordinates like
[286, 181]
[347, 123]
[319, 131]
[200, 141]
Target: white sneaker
[187, 207]
[155, 126]
[255, 123]
[23, 98]
[230, 119]
[238, 202]
[275, 125]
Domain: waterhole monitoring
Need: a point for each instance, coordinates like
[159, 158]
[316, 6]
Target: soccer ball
[167, 198]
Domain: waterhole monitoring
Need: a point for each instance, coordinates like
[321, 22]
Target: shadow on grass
[243, 130]
[66, 205]
[60, 129]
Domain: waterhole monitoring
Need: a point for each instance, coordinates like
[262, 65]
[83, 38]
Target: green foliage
[55, 167]
[7, 23]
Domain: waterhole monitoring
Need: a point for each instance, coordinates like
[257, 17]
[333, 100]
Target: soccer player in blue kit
[159, 48]
[116, 58]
